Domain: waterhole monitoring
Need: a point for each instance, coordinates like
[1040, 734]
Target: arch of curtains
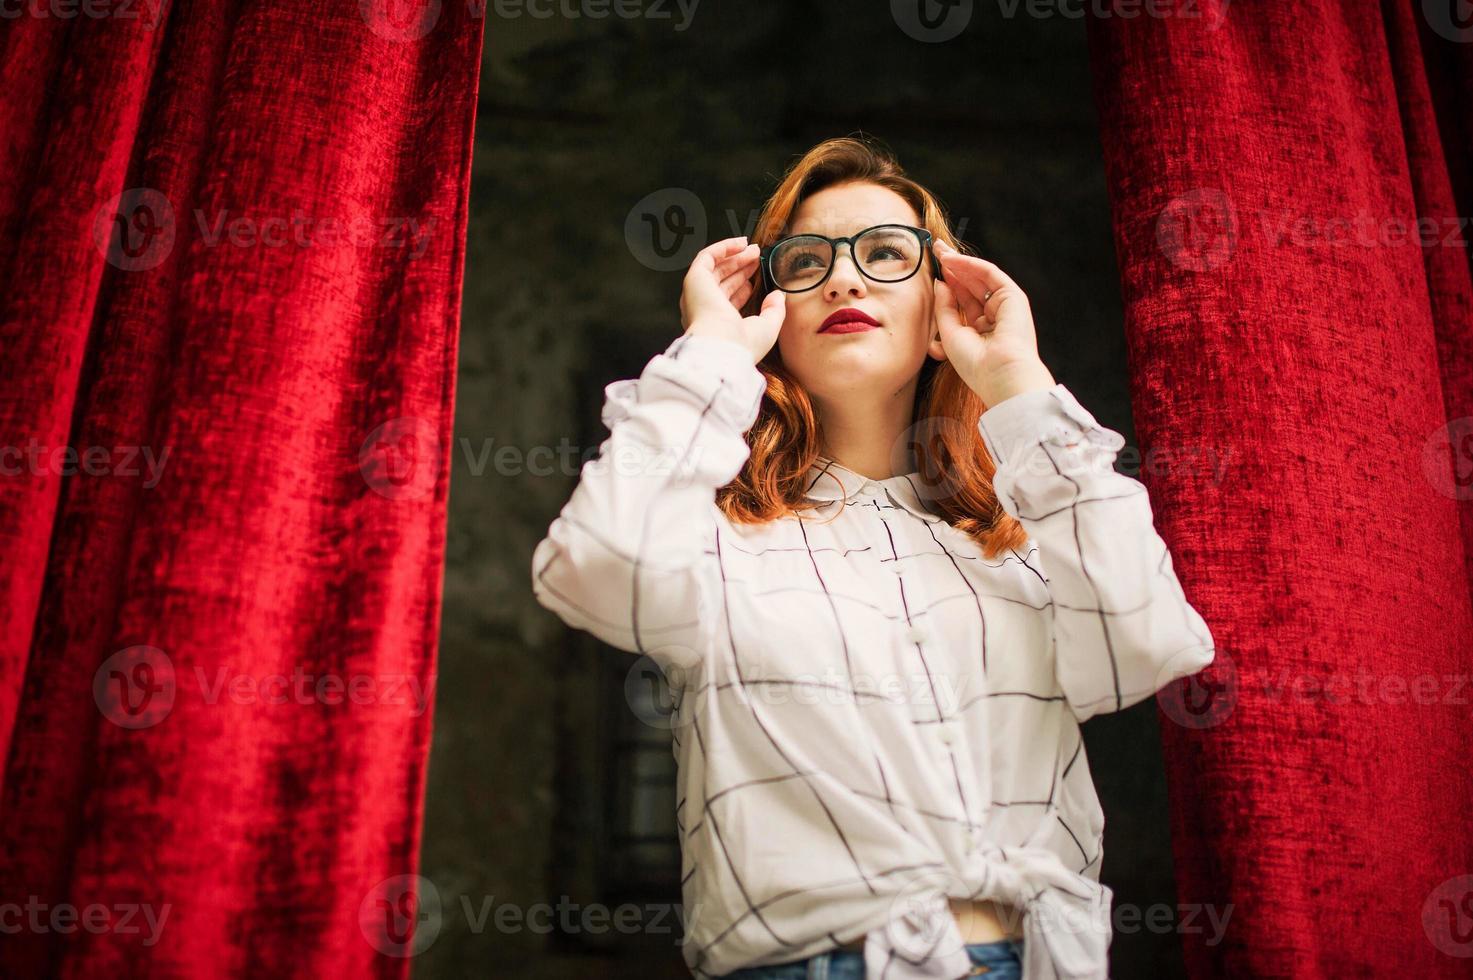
[1267, 166]
[232, 236]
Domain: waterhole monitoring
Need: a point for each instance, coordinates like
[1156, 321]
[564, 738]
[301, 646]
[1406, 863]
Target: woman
[888, 568]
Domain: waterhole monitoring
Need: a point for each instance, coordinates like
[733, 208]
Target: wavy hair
[955, 468]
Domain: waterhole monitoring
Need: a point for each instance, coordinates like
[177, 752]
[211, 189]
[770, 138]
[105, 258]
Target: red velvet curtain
[231, 237]
[1286, 183]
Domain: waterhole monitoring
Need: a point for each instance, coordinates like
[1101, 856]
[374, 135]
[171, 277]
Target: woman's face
[881, 361]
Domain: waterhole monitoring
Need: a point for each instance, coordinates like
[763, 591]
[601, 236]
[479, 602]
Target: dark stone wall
[586, 124]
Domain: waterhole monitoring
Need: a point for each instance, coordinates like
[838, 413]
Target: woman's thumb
[774, 306]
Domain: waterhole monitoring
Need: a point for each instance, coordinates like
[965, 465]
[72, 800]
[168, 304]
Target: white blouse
[870, 716]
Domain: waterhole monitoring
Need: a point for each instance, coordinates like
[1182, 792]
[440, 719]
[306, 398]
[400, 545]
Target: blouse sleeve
[1122, 627]
[630, 558]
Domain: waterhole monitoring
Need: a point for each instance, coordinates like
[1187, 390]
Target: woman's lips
[849, 326]
[851, 319]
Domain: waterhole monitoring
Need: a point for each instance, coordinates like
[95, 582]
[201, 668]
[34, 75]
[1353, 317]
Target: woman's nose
[845, 275]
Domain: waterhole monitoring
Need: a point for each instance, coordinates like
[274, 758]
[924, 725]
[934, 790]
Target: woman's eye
[884, 253]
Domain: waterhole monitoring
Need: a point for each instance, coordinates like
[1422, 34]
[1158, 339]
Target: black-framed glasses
[883, 253]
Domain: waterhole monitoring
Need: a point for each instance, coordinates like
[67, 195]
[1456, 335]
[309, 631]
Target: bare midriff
[979, 922]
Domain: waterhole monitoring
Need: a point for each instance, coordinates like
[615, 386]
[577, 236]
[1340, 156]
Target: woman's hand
[717, 285]
[990, 340]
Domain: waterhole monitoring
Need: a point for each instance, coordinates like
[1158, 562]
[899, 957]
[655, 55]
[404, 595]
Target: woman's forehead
[842, 224]
[848, 208]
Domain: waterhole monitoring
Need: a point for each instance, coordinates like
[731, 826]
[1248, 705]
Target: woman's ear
[934, 348]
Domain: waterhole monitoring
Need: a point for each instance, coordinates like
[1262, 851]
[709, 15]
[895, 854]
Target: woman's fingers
[745, 255]
[742, 293]
[980, 283]
[973, 270]
[707, 258]
[957, 337]
[963, 282]
[713, 261]
[736, 269]
[711, 267]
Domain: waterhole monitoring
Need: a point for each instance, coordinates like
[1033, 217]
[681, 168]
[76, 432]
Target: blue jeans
[1001, 960]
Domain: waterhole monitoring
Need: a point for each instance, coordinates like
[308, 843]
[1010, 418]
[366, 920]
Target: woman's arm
[1123, 628]
[629, 557]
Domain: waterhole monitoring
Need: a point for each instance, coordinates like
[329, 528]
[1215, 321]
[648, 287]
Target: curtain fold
[1288, 318]
[233, 235]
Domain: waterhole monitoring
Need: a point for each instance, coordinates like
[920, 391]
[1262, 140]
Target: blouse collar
[829, 480]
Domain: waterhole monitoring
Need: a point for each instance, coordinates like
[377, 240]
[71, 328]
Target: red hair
[955, 468]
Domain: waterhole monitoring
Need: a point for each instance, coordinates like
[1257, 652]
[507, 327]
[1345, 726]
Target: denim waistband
[842, 962]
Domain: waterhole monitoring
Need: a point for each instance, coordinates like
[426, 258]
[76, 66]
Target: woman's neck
[867, 437]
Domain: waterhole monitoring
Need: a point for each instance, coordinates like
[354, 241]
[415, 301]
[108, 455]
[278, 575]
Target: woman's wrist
[1014, 379]
[719, 331]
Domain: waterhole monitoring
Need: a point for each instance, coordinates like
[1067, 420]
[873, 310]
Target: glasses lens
[888, 253]
[800, 262]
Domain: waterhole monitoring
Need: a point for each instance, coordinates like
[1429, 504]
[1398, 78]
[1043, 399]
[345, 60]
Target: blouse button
[916, 633]
[947, 733]
[896, 567]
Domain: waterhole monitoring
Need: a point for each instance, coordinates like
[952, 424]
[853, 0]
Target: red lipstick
[848, 320]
